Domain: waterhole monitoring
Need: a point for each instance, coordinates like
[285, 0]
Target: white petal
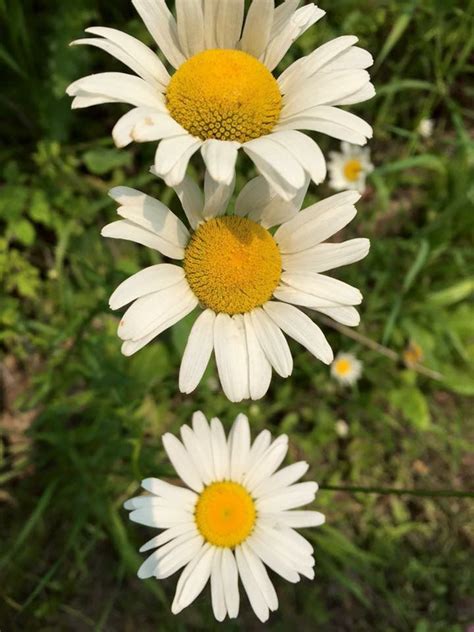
[301, 328]
[133, 53]
[172, 492]
[220, 451]
[324, 287]
[295, 76]
[230, 349]
[182, 462]
[257, 27]
[277, 165]
[271, 558]
[190, 196]
[229, 21]
[303, 19]
[324, 89]
[284, 477]
[301, 519]
[198, 454]
[220, 157]
[197, 352]
[151, 214]
[172, 158]
[259, 202]
[211, 9]
[288, 498]
[122, 131]
[272, 342]
[203, 433]
[294, 547]
[217, 589]
[254, 594]
[156, 126]
[149, 566]
[289, 294]
[258, 448]
[144, 282]
[260, 370]
[306, 152]
[217, 196]
[239, 447]
[193, 579]
[162, 27]
[363, 94]
[168, 535]
[177, 558]
[333, 121]
[267, 464]
[326, 256]
[159, 518]
[345, 315]
[230, 579]
[317, 222]
[158, 310]
[260, 576]
[117, 87]
[123, 229]
[190, 23]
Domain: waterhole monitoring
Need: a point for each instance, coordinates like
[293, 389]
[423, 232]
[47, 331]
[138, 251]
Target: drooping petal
[220, 157]
[254, 594]
[216, 196]
[231, 356]
[191, 198]
[260, 370]
[193, 579]
[197, 352]
[272, 342]
[117, 87]
[301, 328]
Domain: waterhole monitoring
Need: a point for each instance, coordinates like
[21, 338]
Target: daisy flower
[245, 279]
[232, 520]
[346, 369]
[425, 127]
[218, 93]
[349, 168]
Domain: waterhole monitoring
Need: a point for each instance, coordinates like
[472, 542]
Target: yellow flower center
[232, 264]
[225, 514]
[352, 170]
[224, 94]
[343, 367]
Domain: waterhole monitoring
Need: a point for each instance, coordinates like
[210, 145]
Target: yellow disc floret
[352, 170]
[224, 94]
[232, 264]
[225, 514]
[342, 367]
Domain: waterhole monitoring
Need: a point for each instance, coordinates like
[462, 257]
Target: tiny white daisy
[242, 276]
[342, 428]
[221, 94]
[348, 168]
[425, 127]
[346, 368]
[235, 518]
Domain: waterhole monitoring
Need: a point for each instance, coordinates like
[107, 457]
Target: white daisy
[221, 94]
[348, 168]
[235, 518]
[241, 275]
[346, 368]
[425, 127]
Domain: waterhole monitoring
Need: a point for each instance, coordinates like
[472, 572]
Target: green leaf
[101, 161]
[411, 402]
[453, 294]
[24, 232]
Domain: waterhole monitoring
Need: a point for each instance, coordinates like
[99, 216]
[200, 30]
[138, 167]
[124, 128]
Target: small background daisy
[346, 368]
[348, 169]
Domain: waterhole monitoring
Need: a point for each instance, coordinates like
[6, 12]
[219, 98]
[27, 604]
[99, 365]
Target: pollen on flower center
[232, 264]
[225, 514]
[224, 94]
[352, 170]
[342, 367]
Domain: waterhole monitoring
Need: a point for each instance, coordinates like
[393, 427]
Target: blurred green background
[81, 424]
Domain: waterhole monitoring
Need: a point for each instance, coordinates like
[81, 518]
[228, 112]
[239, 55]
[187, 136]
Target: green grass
[82, 424]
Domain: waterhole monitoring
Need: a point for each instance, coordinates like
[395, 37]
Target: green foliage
[82, 424]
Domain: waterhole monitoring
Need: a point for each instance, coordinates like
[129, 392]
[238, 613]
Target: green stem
[400, 492]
